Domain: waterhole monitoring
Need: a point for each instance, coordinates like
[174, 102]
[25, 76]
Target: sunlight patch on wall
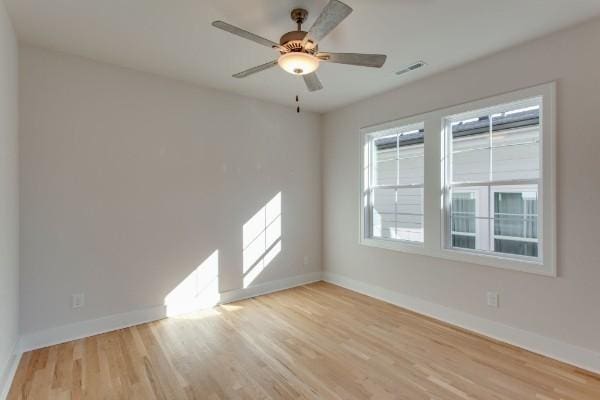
[261, 239]
[198, 290]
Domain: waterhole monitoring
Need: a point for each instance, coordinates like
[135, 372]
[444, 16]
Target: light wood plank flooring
[313, 342]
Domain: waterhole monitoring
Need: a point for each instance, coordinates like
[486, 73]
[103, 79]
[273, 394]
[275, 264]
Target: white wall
[565, 308]
[9, 192]
[131, 181]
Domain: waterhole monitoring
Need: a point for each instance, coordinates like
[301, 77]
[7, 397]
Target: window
[394, 183]
[492, 179]
[464, 223]
[515, 221]
[480, 189]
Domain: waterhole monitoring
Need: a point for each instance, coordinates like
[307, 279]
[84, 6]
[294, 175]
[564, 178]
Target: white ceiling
[174, 38]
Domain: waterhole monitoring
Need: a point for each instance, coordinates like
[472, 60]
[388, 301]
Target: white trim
[90, 327]
[463, 255]
[270, 287]
[403, 124]
[7, 374]
[540, 96]
[78, 330]
[435, 223]
[574, 355]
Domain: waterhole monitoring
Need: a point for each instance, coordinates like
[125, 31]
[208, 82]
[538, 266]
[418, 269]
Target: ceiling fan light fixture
[298, 63]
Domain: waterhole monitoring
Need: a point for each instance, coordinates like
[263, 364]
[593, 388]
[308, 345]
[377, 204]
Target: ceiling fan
[299, 50]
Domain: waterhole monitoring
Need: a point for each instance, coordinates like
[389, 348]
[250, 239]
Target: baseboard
[7, 373]
[78, 330]
[565, 352]
[270, 287]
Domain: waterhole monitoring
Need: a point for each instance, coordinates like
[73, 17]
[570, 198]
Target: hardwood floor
[313, 342]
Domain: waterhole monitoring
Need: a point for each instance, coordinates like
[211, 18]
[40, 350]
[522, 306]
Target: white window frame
[435, 222]
[366, 229]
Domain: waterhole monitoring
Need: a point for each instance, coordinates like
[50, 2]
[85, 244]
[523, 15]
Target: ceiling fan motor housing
[293, 42]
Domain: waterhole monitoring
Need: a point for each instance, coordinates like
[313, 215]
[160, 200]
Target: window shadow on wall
[261, 244]
[261, 240]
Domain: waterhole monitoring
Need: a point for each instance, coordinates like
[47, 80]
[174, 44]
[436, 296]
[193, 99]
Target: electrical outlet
[493, 299]
[77, 300]
[305, 260]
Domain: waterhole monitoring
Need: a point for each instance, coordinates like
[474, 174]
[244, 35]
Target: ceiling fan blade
[247, 35]
[254, 70]
[363, 60]
[334, 12]
[312, 82]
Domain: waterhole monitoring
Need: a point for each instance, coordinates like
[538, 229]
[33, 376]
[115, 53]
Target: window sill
[479, 259]
[396, 245]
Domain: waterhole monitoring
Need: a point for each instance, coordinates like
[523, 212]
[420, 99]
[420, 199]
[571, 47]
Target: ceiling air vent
[412, 67]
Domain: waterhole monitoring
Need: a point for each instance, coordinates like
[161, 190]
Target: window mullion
[433, 217]
[397, 183]
[491, 219]
[515, 182]
[408, 186]
[491, 200]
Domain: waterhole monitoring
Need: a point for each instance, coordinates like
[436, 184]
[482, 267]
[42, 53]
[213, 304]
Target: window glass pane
[471, 166]
[470, 218]
[516, 221]
[471, 150]
[409, 227]
[464, 206]
[515, 162]
[470, 230]
[409, 215]
[463, 242]
[385, 160]
[384, 213]
[386, 147]
[516, 247]
[366, 164]
[410, 164]
[516, 213]
[515, 144]
[385, 173]
[410, 201]
[398, 214]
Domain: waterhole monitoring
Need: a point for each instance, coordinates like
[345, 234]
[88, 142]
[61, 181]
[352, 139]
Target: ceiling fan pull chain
[297, 104]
